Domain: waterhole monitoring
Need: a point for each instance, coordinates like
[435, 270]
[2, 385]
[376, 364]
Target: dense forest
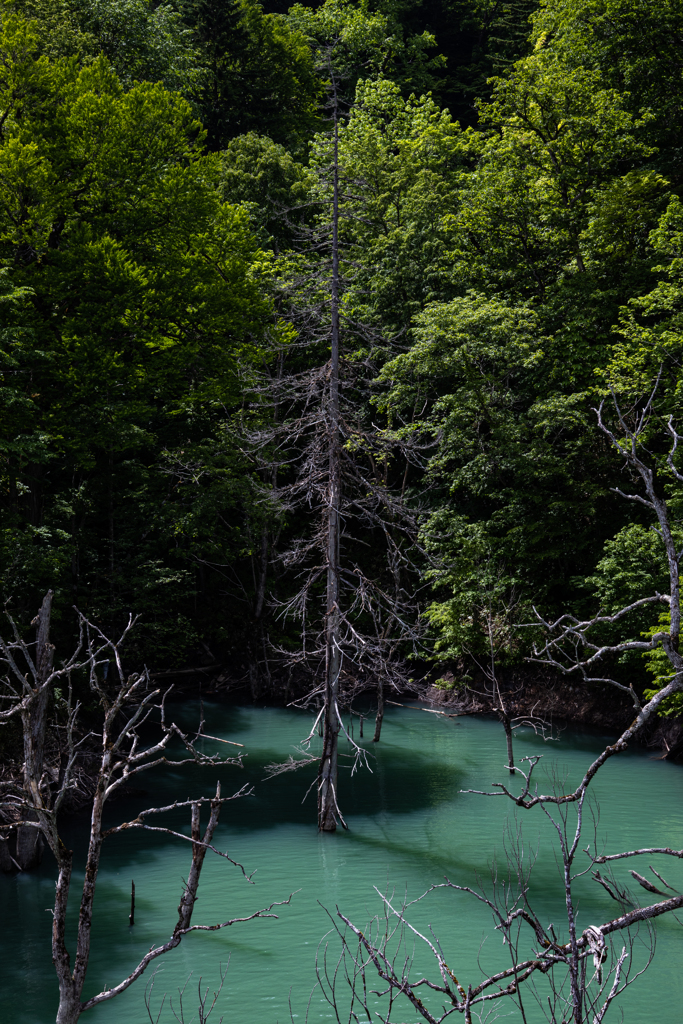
[340, 357]
[478, 199]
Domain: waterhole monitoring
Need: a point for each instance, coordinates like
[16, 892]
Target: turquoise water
[410, 825]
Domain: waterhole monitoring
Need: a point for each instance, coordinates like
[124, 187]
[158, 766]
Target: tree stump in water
[21, 851]
[6, 862]
[29, 852]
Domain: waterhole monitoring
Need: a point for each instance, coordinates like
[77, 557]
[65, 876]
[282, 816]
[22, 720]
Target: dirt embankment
[528, 692]
[546, 699]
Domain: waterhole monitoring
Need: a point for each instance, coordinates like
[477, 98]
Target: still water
[410, 825]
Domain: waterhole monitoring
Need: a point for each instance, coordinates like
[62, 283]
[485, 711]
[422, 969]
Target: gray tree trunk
[29, 844]
[327, 780]
[380, 709]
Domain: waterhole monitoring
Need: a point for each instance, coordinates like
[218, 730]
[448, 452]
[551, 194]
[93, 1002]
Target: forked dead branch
[573, 974]
[117, 753]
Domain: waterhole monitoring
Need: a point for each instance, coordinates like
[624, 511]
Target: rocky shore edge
[552, 700]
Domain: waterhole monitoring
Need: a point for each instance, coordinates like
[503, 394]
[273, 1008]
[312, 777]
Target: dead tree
[497, 610]
[205, 1003]
[576, 976]
[573, 646]
[497, 623]
[328, 808]
[334, 478]
[116, 755]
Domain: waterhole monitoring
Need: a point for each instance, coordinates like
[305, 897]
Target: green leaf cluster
[132, 297]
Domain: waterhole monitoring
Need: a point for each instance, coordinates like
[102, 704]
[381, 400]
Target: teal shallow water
[409, 826]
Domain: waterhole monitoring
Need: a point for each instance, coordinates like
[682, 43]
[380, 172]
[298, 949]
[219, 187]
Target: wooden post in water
[131, 916]
[361, 727]
[380, 708]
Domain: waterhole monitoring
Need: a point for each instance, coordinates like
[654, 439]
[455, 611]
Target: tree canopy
[510, 232]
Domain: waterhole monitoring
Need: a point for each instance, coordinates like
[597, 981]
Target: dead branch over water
[129, 708]
[575, 978]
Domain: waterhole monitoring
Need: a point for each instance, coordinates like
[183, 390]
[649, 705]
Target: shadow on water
[410, 826]
[401, 782]
[403, 779]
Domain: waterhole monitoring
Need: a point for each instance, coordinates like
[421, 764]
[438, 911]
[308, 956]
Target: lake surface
[410, 825]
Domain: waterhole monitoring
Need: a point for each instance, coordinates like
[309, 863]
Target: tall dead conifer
[335, 476]
[328, 772]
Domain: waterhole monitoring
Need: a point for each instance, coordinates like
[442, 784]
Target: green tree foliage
[552, 222]
[404, 160]
[132, 300]
[498, 279]
[262, 175]
[660, 670]
[243, 70]
[140, 40]
[363, 42]
[476, 38]
[258, 76]
[633, 47]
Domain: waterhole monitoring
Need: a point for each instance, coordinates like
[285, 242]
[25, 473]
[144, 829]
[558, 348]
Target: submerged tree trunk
[257, 642]
[328, 809]
[508, 736]
[71, 983]
[29, 847]
[507, 726]
[380, 709]
[69, 999]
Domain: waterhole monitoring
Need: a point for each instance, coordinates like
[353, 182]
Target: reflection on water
[410, 825]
